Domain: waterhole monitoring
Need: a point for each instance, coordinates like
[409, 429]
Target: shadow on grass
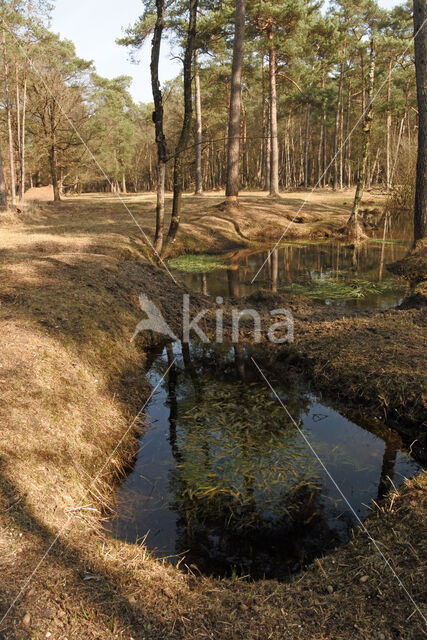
[91, 591]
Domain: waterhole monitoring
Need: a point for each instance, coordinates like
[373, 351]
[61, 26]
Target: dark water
[331, 273]
[224, 480]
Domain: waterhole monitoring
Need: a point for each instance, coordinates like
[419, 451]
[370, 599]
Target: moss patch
[197, 263]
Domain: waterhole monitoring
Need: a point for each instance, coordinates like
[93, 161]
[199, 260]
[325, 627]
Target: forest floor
[206, 225]
[71, 385]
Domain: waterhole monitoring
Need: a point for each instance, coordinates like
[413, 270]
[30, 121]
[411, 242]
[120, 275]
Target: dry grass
[205, 224]
[70, 383]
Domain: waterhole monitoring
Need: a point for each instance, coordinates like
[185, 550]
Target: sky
[94, 25]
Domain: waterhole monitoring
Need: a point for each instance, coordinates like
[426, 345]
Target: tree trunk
[353, 220]
[54, 172]
[160, 207]
[420, 210]
[319, 159]
[18, 120]
[306, 145]
[337, 125]
[263, 128]
[267, 155]
[348, 137]
[22, 154]
[274, 150]
[186, 125]
[198, 137]
[233, 146]
[388, 158]
[399, 139]
[124, 189]
[3, 192]
[9, 125]
[324, 162]
[158, 122]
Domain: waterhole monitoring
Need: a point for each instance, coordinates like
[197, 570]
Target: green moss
[197, 263]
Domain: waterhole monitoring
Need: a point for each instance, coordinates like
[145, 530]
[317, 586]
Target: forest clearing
[212, 398]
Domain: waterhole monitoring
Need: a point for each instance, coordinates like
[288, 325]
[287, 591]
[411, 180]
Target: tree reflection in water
[225, 479]
[247, 492]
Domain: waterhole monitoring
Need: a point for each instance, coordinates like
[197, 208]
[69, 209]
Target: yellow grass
[70, 384]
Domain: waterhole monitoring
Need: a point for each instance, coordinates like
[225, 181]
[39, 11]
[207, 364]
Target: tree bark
[324, 141]
[274, 149]
[348, 137]
[9, 125]
[263, 128]
[306, 145]
[53, 153]
[388, 144]
[198, 133]
[186, 125]
[158, 123]
[233, 146]
[54, 171]
[353, 220]
[420, 209]
[18, 119]
[337, 125]
[22, 154]
[3, 192]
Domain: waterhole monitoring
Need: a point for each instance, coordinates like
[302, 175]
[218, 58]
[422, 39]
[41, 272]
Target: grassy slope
[71, 384]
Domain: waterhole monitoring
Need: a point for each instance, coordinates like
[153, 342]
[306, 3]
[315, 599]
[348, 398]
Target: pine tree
[420, 32]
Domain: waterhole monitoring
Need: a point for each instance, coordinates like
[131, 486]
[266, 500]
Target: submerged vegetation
[197, 263]
[339, 289]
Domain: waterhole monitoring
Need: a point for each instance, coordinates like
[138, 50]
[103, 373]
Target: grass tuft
[335, 289]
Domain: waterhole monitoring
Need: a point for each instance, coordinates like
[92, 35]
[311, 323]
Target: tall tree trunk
[267, 154]
[198, 133]
[22, 154]
[274, 151]
[158, 123]
[388, 144]
[319, 158]
[324, 162]
[306, 145]
[53, 153]
[362, 79]
[9, 125]
[348, 137]
[233, 146]
[341, 139]
[54, 170]
[124, 189]
[399, 140]
[263, 128]
[337, 125]
[244, 147]
[3, 192]
[353, 220]
[186, 125]
[18, 119]
[420, 210]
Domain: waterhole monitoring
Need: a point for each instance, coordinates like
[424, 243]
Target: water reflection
[224, 478]
[332, 273]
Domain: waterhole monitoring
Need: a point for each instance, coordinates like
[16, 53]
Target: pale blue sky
[94, 25]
